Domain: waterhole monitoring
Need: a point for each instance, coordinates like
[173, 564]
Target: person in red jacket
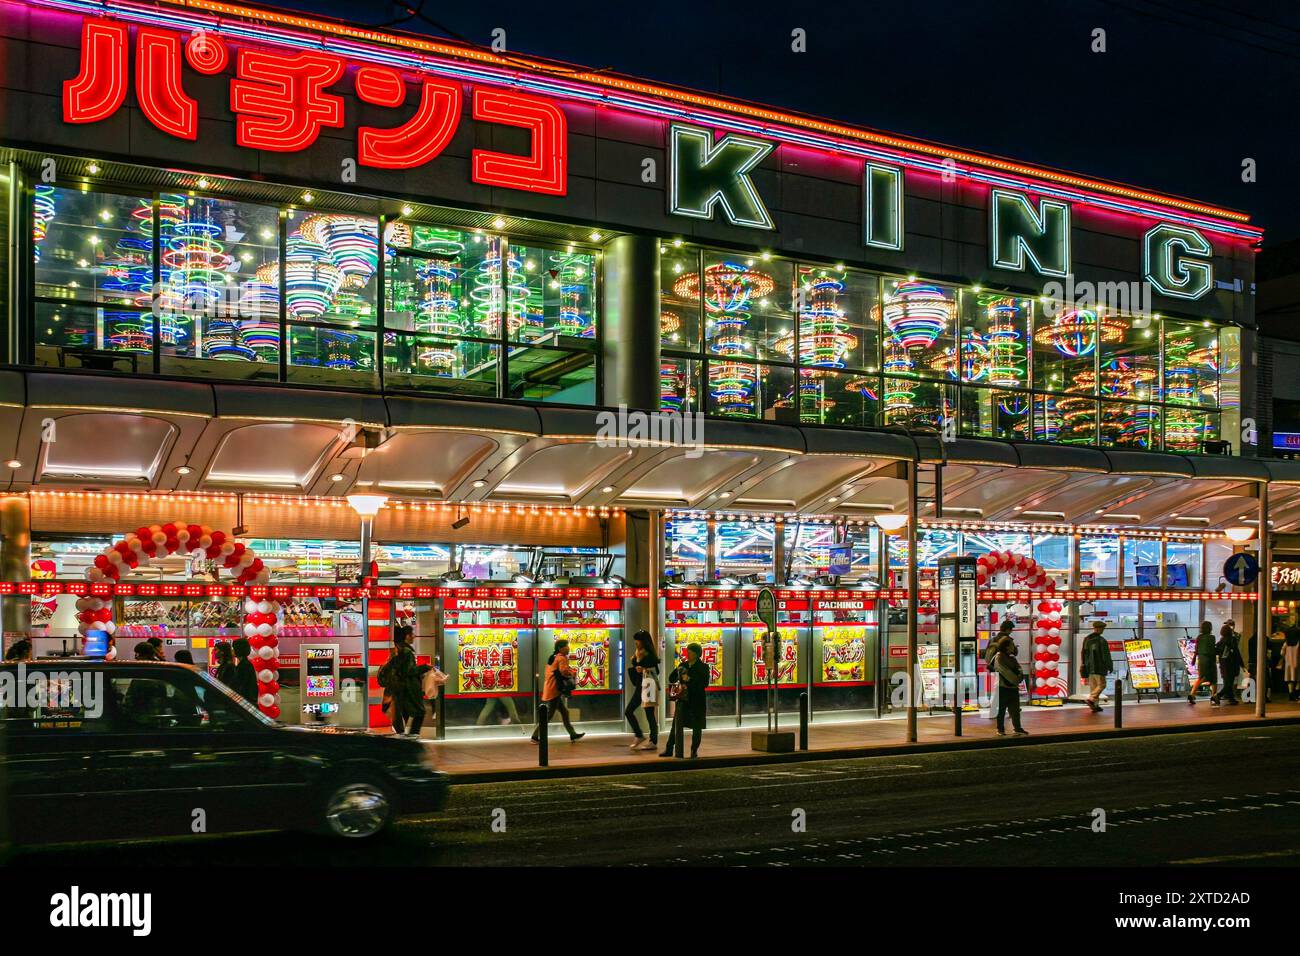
[559, 683]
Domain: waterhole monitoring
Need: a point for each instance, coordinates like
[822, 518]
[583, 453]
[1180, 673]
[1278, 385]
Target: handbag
[565, 685]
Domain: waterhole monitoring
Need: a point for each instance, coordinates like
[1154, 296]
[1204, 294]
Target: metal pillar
[655, 578]
[630, 321]
[15, 565]
[913, 597]
[1263, 597]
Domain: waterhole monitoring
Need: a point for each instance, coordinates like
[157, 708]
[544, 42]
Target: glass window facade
[757, 337]
[200, 286]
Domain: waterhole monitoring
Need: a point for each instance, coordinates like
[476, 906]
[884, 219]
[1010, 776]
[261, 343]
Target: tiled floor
[606, 752]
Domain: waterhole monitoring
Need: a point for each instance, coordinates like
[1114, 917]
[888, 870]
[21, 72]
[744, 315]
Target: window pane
[916, 404]
[319, 355]
[1142, 562]
[1065, 350]
[1187, 428]
[1130, 358]
[1183, 560]
[330, 268]
[994, 413]
[1065, 419]
[920, 323]
[1129, 424]
[552, 375]
[836, 319]
[445, 365]
[560, 293]
[995, 339]
[93, 247]
[836, 398]
[747, 305]
[1099, 560]
[679, 297]
[747, 390]
[219, 297]
[679, 387]
[93, 337]
[1191, 363]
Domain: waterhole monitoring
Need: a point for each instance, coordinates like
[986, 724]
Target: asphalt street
[1225, 798]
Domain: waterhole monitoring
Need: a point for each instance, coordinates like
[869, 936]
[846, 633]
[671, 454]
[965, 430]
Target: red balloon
[172, 544]
[273, 712]
[213, 551]
[218, 538]
[255, 567]
[195, 531]
[112, 571]
[144, 534]
[272, 688]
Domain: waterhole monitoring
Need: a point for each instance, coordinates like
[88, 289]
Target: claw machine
[710, 621]
[792, 624]
[597, 652]
[491, 654]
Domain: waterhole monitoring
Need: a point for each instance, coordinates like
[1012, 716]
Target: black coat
[694, 704]
[244, 681]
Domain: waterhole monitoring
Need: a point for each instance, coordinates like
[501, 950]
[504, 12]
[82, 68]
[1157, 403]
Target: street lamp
[890, 523]
[1239, 533]
[366, 507]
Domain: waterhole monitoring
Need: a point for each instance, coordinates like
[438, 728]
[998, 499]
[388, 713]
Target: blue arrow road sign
[1241, 569]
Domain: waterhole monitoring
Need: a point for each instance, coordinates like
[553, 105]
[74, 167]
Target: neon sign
[282, 101]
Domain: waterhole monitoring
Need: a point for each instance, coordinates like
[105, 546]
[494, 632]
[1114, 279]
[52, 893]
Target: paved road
[1225, 797]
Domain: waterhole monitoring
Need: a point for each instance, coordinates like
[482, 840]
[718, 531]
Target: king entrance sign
[1241, 569]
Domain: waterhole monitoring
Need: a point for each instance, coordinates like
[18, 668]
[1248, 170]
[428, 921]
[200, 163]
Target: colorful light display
[824, 341]
[439, 310]
[1005, 317]
[571, 271]
[917, 313]
[729, 291]
[1074, 332]
[44, 209]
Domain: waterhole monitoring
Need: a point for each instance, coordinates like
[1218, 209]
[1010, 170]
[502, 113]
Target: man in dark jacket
[1010, 677]
[244, 680]
[1095, 663]
[1228, 650]
[692, 705]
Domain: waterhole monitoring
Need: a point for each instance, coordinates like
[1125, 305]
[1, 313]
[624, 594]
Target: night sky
[1186, 90]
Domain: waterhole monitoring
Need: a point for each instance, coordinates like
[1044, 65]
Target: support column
[1263, 598]
[655, 544]
[630, 322]
[912, 684]
[15, 565]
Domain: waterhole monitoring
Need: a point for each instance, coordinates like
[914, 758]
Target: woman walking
[643, 683]
[1207, 665]
[400, 679]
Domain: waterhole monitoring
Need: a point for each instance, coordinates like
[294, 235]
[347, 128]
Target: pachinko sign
[844, 654]
[710, 641]
[487, 660]
[589, 657]
[787, 660]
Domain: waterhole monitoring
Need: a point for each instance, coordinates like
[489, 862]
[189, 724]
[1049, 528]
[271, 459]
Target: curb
[842, 753]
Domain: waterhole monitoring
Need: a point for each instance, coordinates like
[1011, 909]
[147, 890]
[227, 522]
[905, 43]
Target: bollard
[956, 717]
[543, 746]
[1119, 702]
[440, 713]
[803, 721]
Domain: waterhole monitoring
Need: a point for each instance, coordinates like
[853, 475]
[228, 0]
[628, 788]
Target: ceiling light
[499, 223]
[724, 494]
[479, 482]
[607, 489]
[890, 523]
[337, 477]
[595, 237]
[14, 463]
[1239, 533]
[367, 506]
[183, 469]
[307, 196]
[406, 209]
[93, 168]
[203, 182]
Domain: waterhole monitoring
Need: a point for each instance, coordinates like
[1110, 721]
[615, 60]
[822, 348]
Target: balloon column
[262, 623]
[261, 620]
[1048, 681]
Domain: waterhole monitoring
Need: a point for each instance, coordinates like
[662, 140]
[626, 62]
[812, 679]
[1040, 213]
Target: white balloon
[115, 557]
[250, 630]
[108, 627]
[183, 535]
[1054, 631]
[266, 676]
[264, 630]
[94, 574]
[265, 652]
[227, 548]
[136, 545]
[250, 606]
[1053, 665]
[263, 576]
[1053, 615]
[155, 528]
[263, 607]
[1040, 648]
[205, 541]
[1039, 682]
[247, 558]
[266, 700]
[159, 537]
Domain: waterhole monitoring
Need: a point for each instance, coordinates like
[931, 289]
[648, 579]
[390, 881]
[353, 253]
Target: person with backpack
[400, 679]
[1095, 664]
[690, 684]
[1010, 677]
[559, 684]
[1228, 651]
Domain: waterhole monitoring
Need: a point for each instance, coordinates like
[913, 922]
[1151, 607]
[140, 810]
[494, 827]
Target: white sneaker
[635, 745]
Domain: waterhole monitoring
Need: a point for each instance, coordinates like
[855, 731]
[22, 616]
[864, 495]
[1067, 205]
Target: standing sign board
[1142, 665]
[318, 679]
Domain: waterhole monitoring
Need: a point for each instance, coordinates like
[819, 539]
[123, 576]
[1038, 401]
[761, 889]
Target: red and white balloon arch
[262, 618]
[1048, 680]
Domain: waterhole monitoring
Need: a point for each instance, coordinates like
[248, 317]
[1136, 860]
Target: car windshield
[236, 698]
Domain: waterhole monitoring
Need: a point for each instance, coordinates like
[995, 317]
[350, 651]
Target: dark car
[102, 750]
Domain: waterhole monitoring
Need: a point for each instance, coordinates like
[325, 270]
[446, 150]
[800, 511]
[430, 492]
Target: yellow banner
[488, 660]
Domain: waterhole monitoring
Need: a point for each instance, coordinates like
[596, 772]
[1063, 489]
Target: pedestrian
[1010, 677]
[1228, 652]
[691, 678]
[1096, 664]
[1207, 667]
[1004, 630]
[144, 651]
[225, 661]
[1253, 659]
[1290, 661]
[644, 690]
[400, 679]
[183, 656]
[21, 650]
[244, 679]
[160, 654]
[558, 684]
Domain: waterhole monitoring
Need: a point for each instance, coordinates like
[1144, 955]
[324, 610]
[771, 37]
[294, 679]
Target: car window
[223, 713]
[152, 703]
[52, 702]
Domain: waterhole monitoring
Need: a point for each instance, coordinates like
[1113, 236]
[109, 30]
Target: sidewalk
[496, 760]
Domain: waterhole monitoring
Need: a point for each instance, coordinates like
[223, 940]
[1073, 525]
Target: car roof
[94, 662]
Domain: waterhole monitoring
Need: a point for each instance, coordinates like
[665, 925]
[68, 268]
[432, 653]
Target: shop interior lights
[730, 291]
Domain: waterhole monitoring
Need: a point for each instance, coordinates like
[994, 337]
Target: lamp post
[891, 524]
[366, 507]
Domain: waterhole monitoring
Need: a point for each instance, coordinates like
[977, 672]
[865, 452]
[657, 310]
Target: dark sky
[1186, 90]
